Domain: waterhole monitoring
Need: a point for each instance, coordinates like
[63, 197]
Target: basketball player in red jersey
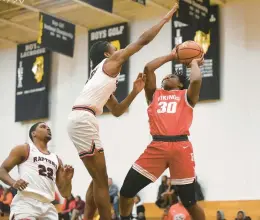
[170, 114]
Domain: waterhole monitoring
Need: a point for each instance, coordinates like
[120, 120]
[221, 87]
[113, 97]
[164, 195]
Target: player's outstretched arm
[149, 70]
[116, 108]
[193, 92]
[18, 155]
[114, 63]
[63, 179]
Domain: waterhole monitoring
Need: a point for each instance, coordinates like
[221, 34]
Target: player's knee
[100, 176]
[186, 194]
[133, 183]
[100, 179]
[127, 193]
[96, 167]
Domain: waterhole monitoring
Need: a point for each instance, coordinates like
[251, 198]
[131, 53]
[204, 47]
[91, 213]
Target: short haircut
[182, 77]
[33, 128]
[97, 51]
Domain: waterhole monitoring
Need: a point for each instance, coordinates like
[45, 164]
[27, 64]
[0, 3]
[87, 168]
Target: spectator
[240, 215]
[162, 187]
[79, 209]
[5, 202]
[138, 209]
[56, 200]
[114, 198]
[166, 196]
[67, 207]
[220, 215]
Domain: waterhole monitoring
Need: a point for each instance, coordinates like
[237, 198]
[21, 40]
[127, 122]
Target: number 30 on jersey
[167, 107]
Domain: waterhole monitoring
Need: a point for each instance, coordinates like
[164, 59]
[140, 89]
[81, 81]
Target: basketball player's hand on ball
[169, 15]
[20, 185]
[199, 61]
[139, 83]
[173, 54]
[67, 172]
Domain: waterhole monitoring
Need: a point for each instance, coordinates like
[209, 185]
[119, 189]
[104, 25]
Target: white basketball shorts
[30, 209]
[83, 131]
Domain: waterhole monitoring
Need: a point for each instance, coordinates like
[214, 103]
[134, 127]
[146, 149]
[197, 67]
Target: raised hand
[139, 83]
[169, 15]
[199, 61]
[67, 172]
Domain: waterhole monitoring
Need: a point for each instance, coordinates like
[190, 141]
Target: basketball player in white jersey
[39, 171]
[82, 123]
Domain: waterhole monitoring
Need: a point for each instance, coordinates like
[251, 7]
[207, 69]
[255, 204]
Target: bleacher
[230, 208]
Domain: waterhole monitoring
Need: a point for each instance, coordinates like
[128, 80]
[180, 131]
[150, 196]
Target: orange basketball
[188, 51]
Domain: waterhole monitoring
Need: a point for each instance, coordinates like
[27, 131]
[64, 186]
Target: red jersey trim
[183, 181]
[144, 172]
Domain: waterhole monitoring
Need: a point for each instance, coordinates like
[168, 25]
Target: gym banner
[143, 2]
[210, 43]
[117, 35]
[32, 81]
[194, 13]
[56, 35]
[106, 5]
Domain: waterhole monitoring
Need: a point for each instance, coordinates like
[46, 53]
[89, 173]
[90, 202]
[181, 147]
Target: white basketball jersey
[97, 90]
[39, 171]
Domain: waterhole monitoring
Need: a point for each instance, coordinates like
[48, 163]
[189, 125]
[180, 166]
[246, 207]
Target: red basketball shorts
[177, 156]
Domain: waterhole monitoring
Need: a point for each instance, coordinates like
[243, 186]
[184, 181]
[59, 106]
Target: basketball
[188, 51]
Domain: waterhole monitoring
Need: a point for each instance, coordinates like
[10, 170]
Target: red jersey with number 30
[170, 114]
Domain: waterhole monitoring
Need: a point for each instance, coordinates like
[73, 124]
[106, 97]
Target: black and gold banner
[194, 13]
[143, 2]
[118, 36]
[210, 43]
[56, 35]
[106, 5]
[32, 81]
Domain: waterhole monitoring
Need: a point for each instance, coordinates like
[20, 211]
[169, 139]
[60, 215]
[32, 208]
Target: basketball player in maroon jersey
[170, 114]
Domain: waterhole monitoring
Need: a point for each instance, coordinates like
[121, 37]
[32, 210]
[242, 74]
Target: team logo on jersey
[203, 40]
[38, 69]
